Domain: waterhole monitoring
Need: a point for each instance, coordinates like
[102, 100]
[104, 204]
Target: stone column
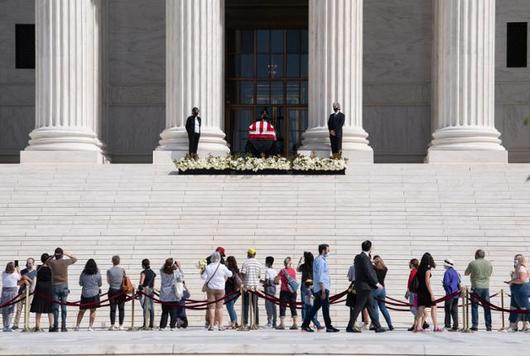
[68, 83]
[194, 77]
[336, 75]
[464, 83]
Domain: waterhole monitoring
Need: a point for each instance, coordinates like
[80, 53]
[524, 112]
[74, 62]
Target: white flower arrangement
[247, 163]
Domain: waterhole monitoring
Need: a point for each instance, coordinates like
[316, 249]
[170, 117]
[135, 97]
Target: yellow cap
[251, 251]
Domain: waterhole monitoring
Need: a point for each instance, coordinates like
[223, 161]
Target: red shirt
[283, 279]
[411, 277]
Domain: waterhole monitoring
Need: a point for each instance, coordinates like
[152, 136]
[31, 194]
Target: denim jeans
[230, 307]
[249, 298]
[315, 321]
[60, 296]
[484, 293]
[149, 309]
[413, 308]
[379, 304]
[520, 294]
[317, 304]
[270, 307]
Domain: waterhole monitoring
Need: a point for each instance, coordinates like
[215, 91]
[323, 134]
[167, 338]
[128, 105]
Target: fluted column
[336, 75]
[464, 83]
[68, 83]
[194, 77]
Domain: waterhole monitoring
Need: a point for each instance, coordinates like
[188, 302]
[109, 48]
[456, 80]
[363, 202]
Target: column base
[467, 144]
[62, 157]
[444, 156]
[174, 145]
[354, 144]
[56, 144]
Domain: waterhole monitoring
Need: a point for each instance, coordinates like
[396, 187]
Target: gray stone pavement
[198, 341]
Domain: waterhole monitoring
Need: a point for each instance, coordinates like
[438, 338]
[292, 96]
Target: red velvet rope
[13, 301]
[476, 298]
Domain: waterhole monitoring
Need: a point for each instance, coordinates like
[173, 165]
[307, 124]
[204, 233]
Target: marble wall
[397, 80]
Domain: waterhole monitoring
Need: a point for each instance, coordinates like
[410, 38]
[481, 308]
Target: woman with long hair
[232, 286]
[10, 281]
[305, 268]
[425, 295]
[170, 274]
[90, 281]
[146, 286]
[43, 293]
[380, 293]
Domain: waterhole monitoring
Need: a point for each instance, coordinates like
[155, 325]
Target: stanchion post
[463, 295]
[502, 312]
[26, 311]
[132, 309]
[243, 321]
[467, 310]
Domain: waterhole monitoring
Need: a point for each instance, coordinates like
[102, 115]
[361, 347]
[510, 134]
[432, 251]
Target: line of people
[223, 280]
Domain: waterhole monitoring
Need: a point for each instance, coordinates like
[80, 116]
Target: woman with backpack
[288, 288]
[232, 286]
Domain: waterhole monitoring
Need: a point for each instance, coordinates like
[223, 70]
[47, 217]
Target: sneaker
[121, 328]
[473, 328]
[280, 327]
[90, 329]
[221, 328]
[307, 329]
[452, 329]
[53, 329]
[113, 328]
[161, 329]
[269, 325]
[76, 328]
[14, 327]
[172, 329]
[8, 330]
[64, 329]
[353, 330]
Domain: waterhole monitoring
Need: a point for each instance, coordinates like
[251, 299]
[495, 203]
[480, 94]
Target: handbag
[205, 286]
[238, 282]
[179, 290]
[126, 285]
[291, 282]
[415, 284]
[351, 296]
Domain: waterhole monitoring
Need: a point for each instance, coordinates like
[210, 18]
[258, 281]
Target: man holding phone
[59, 267]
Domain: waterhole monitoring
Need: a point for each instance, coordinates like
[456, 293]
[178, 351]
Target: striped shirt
[252, 271]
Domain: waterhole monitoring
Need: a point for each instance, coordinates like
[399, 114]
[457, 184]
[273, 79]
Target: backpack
[415, 284]
[291, 282]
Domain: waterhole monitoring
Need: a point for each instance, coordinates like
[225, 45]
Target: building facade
[419, 80]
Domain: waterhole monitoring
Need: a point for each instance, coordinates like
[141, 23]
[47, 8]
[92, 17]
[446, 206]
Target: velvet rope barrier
[198, 305]
[477, 299]
[13, 301]
[94, 305]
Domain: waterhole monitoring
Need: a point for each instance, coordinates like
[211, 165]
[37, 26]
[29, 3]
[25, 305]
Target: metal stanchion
[132, 310]
[466, 309]
[26, 311]
[502, 311]
[250, 310]
[243, 325]
[255, 325]
[463, 295]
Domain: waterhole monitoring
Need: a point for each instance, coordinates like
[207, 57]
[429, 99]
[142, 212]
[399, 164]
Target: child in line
[270, 290]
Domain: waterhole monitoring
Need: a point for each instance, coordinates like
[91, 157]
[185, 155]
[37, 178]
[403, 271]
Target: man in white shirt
[193, 128]
[269, 284]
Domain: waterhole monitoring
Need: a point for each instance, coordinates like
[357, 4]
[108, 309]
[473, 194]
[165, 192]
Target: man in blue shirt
[321, 288]
[451, 284]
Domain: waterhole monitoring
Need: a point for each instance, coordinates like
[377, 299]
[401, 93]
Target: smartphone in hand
[16, 263]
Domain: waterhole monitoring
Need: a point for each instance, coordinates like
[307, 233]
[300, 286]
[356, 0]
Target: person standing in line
[59, 267]
[146, 286]
[411, 295]
[11, 279]
[193, 128]
[215, 276]
[425, 295]
[251, 270]
[379, 294]
[41, 303]
[115, 276]
[335, 124]
[365, 282]
[451, 284]
[321, 289]
[170, 274]
[520, 290]
[287, 293]
[232, 286]
[480, 271]
[90, 281]
[269, 283]
[305, 268]
[28, 274]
